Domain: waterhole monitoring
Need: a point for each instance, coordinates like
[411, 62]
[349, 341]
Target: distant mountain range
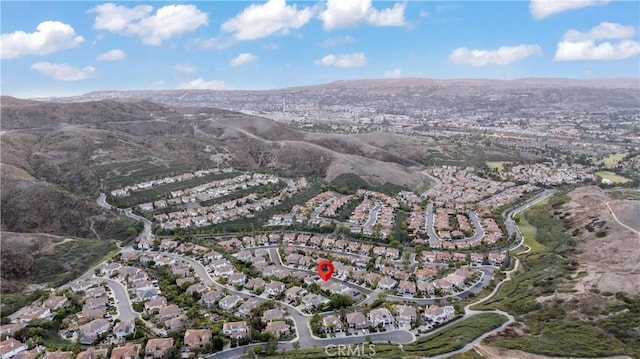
[422, 93]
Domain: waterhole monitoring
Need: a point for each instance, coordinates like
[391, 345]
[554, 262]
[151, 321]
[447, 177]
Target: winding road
[305, 337]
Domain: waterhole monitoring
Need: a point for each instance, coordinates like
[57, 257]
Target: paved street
[125, 310]
[301, 321]
[473, 217]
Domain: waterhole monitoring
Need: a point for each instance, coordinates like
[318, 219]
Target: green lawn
[529, 233]
[612, 177]
[614, 159]
[497, 165]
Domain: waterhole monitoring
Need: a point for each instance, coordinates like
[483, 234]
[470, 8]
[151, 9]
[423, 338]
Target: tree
[338, 301]
[296, 345]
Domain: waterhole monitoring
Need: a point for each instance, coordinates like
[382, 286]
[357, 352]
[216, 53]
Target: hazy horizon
[71, 48]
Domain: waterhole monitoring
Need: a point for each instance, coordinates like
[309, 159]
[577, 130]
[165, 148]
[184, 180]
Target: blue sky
[66, 48]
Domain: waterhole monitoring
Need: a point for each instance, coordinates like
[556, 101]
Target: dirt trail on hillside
[611, 260]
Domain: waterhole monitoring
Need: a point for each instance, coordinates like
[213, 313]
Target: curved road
[305, 336]
[473, 217]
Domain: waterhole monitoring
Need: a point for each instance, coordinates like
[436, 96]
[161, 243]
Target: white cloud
[262, 20]
[424, 13]
[112, 55]
[348, 14]
[167, 22]
[186, 68]
[337, 41]
[49, 37]
[201, 84]
[589, 50]
[346, 60]
[242, 59]
[605, 30]
[392, 74]
[542, 8]
[580, 46]
[502, 56]
[64, 72]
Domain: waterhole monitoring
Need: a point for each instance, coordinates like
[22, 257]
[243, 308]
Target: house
[274, 288]
[94, 303]
[235, 329]
[198, 288]
[278, 329]
[90, 331]
[10, 347]
[271, 315]
[29, 354]
[81, 285]
[157, 348]
[444, 285]
[407, 287]
[426, 287]
[9, 330]
[185, 280]
[212, 256]
[93, 353]
[210, 298]
[387, 283]
[294, 293]
[197, 338]
[169, 312]
[332, 323]
[122, 329]
[173, 325]
[255, 283]
[435, 314]
[229, 302]
[357, 320]
[244, 255]
[87, 315]
[154, 305]
[245, 309]
[55, 302]
[96, 292]
[35, 313]
[237, 279]
[380, 317]
[58, 355]
[129, 351]
[224, 271]
[147, 294]
[405, 314]
[312, 301]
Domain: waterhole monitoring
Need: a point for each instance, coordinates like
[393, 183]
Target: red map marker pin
[325, 270]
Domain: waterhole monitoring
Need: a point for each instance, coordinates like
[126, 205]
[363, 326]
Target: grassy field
[497, 165]
[614, 159]
[450, 339]
[612, 177]
[529, 233]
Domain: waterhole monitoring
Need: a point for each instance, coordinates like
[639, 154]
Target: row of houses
[400, 314]
[126, 191]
